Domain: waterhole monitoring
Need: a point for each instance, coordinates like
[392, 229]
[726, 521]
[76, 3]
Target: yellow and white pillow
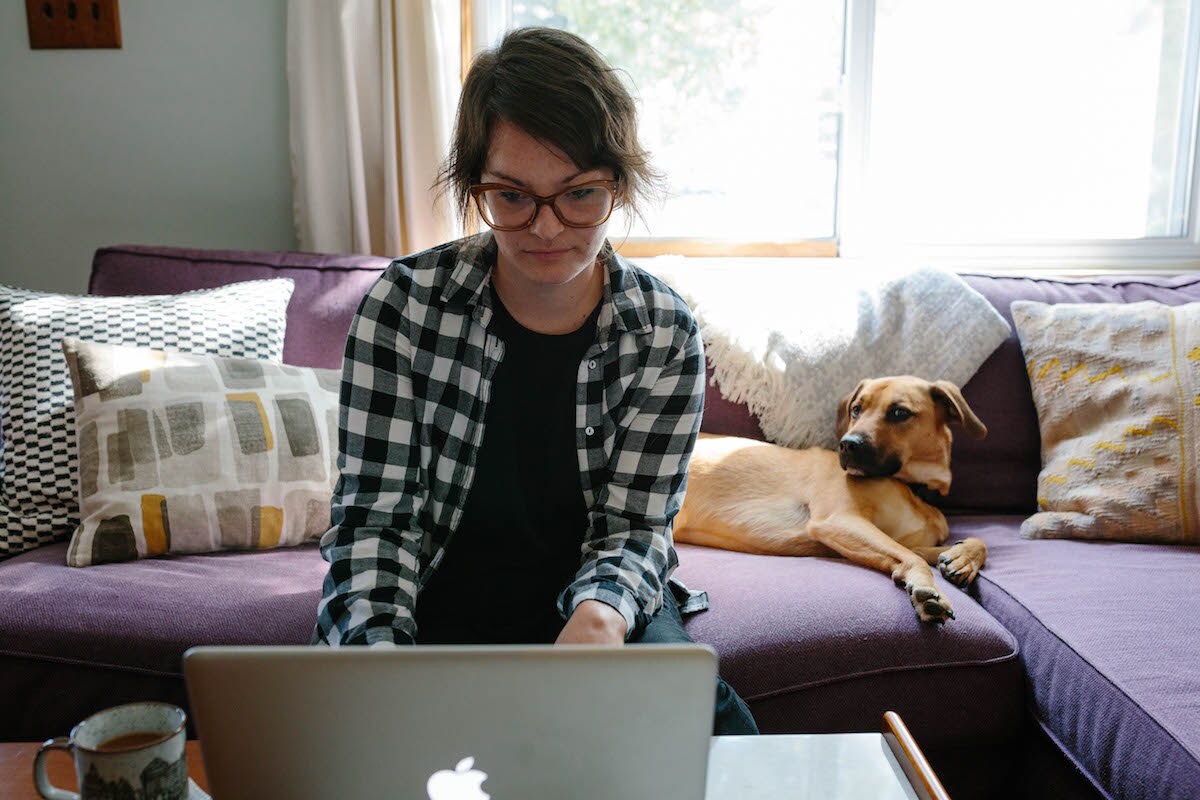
[187, 453]
[1117, 390]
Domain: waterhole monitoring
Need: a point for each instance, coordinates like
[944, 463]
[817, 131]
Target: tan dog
[758, 497]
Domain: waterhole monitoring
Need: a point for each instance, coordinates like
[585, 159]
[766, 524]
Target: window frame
[480, 19]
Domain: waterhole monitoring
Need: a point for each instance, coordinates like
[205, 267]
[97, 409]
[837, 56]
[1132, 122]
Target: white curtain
[372, 86]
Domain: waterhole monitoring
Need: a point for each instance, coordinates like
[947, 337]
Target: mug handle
[39, 770]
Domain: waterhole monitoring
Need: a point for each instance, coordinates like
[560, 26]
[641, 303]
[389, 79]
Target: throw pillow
[37, 472]
[1116, 387]
[194, 453]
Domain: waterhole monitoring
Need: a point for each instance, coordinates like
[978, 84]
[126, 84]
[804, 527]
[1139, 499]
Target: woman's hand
[593, 622]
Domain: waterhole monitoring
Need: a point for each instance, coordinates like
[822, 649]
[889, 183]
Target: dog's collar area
[924, 492]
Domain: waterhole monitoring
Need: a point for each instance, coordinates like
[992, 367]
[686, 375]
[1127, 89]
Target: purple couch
[1071, 664]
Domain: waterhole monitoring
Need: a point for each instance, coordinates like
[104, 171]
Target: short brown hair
[558, 88]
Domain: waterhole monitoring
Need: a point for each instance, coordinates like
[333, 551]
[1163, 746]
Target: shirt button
[592, 364]
[589, 430]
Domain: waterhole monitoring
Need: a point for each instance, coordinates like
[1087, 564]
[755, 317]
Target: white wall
[178, 138]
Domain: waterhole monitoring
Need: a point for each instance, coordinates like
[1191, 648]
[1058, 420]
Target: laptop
[454, 722]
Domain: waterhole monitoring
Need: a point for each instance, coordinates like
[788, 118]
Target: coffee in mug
[131, 741]
[134, 750]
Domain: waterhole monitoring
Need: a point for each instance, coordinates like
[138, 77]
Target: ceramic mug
[134, 750]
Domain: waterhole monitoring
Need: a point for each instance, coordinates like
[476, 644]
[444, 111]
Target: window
[1065, 128]
[1029, 119]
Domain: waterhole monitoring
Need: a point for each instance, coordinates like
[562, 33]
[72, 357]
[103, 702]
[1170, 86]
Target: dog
[758, 497]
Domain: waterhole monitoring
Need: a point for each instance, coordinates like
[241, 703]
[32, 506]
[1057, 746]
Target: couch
[1070, 671]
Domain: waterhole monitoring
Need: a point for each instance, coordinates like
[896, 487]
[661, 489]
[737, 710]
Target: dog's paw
[916, 579]
[962, 562]
[930, 606]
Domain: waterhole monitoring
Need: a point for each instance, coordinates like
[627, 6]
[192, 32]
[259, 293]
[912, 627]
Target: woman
[519, 407]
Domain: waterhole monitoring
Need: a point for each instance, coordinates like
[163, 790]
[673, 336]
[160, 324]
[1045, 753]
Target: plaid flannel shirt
[418, 367]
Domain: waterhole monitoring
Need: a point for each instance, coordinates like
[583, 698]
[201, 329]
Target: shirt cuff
[372, 635]
[388, 635]
[611, 594]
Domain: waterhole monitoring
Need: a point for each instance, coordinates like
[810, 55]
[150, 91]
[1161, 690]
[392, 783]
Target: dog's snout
[859, 455]
[855, 453]
[851, 443]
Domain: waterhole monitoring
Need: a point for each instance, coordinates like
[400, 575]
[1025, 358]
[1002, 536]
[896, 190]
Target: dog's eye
[855, 412]
[898, 414]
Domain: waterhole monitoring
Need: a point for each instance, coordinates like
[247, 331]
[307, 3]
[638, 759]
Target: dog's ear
[843, 416]
[956, 407]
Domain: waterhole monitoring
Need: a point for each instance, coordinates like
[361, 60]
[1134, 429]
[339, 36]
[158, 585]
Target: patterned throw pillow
[192, 453]
[1117, 390]
[37, 473]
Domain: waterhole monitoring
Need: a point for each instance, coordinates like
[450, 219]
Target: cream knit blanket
[791, 340]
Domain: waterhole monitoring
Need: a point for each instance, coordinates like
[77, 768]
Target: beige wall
[179, 138]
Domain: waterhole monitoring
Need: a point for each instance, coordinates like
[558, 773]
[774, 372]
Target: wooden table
[925, 783]
[16, 769]
[811, 752]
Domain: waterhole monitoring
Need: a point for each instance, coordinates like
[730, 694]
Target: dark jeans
[731, 715]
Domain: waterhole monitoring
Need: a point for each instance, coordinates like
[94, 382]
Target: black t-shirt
[518, 543]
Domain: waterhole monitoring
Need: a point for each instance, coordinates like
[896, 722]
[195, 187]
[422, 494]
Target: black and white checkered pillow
[40, 463]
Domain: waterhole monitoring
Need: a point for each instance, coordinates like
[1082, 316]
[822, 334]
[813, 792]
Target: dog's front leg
[960, 562]
[860, 541]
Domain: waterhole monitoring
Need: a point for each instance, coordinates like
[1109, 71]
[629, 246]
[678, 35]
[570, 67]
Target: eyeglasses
[506, 208]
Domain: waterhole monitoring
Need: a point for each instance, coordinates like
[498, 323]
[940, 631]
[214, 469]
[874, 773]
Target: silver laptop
[454, 723]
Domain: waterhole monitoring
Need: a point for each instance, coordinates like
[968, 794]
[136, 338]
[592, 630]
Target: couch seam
[1062, 748]
[799, 687]
[98, 664]
[1082, 281]
[244, 262]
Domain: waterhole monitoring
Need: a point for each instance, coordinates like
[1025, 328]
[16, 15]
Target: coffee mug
[134, 750]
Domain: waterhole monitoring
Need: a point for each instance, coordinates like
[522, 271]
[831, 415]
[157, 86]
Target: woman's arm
[372, 549]
[593, 622]
[627, 553]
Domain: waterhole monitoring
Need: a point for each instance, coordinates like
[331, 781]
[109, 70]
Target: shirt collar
[625, 305]
[476, 257]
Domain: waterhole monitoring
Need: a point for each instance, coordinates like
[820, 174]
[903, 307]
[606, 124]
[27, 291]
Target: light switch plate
[73, 23]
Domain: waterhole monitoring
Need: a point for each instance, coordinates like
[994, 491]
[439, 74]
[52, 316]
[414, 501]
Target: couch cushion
[142, 615]
[725, 416]
[824, 645]
[806, 659]
[1110, 636]
[328, 287]
[74, 641]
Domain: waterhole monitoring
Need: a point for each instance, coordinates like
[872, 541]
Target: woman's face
[546, 254]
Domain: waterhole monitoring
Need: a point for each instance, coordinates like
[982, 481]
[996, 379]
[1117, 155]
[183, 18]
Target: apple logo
[463, 783]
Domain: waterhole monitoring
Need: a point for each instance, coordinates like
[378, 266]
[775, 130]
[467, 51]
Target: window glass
[1028, 120]
[739, 104]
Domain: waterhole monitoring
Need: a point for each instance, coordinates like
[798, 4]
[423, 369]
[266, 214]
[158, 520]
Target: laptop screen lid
[454, 722]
